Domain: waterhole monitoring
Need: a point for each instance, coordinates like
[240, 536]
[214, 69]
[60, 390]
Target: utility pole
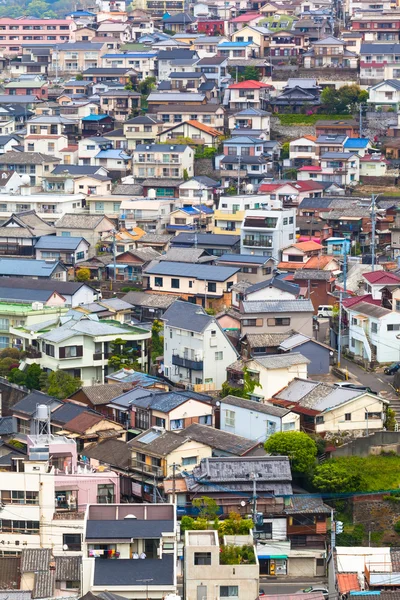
[333, 532]
[238, 179]
[114, 255]
[253, 476]
[340, 330]
[361, 122]
[174, 467]
[373, 220]
[345, 266]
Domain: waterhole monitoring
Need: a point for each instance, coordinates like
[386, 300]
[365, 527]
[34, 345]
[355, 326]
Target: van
[325, 310]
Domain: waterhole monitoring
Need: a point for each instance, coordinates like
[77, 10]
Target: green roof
[24, 84]
[282, 21]
[21, 309]
[135, 47]
[129, 328]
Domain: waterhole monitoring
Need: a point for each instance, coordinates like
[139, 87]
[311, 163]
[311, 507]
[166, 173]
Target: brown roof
[111, 452]
[103, 393]
[10, 574]
[83, 422]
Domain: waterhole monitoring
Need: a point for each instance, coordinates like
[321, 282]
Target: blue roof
[195, 271]
[234, 44]
[26, 267]
[81, 13]
[356, 143]
[95, 117]
[243, 258]
[111, 153]
[51, 242]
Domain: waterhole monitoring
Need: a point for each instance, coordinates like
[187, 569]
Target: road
[275, 587]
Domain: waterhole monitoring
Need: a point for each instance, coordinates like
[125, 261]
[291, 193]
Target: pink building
[17, 32]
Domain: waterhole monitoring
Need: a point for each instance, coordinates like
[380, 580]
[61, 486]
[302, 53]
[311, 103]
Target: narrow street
[378, 382]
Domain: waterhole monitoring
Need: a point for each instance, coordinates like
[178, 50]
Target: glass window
[219, 355]
[229, 591]
[73, 541]
[176, 424]
[205, 420]
[158, 281]
[175, 283]
[201, 558]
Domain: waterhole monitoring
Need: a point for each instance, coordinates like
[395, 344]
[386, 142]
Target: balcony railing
[138, 465]
[264, 243]
[101, 355]
[33, 353]
[196, 365]
[106, 499]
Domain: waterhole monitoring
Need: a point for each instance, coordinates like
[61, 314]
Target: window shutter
[259, 322]
[61, 352]
[79, 351]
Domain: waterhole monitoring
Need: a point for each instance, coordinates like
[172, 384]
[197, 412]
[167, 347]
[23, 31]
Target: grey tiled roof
[43, 586]
[103, 393]
[28, 404]
[79, 221]
[277, 306]
[282, 361]
[33, 560]
[260, 407]
[186, 315]
[308, 505]
[317, 274]
[26, 158]
[195, 271]
[218, 439]
[267, 340]
[68, 568]
[150, 300]
[110, 452]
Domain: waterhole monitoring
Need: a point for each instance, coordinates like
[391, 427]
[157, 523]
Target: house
[253, 419]
[297, 255]
[77, 57]
[80, 344]
[149, 307]
[92, 228]
[28, 289]
[373, 165]
[162, 160]
[189, 218]
[213, 67]
[252, 268]
[232, 50]
[248, 94]
[205, 569]
[296, 93]
[198, 190]
[37, 87]
[223, 443]
[270, 316]
[120, 104]
[166, 60]
[19, 233]
[215, 244]
[327, 408]
[198, 133]
[348, 127]
[70, 250]
[177, 22]
[274, 288]
[150, 531]
[267, 232]
[251, 121]
[378, 61]
[207, 285]
[196, 350]
[318, 285]
[210, 114]
[385, 95]
[39, 269]
[149, 214]
[89, 147]
[271, 373]
[34, 164]
[141, 130]
[97, 124]
[330, 52]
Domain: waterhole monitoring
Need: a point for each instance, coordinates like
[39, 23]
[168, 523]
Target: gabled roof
[219, 440]
[382, 278]
[249, 84]
[188, 316]
[84, 421]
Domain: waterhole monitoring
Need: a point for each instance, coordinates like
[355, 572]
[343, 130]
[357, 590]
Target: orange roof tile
[205, 128]
[319, 262]
[290, 266]
[348, 582]
[307, 246]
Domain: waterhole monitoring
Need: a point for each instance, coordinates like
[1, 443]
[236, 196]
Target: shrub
[396, 526]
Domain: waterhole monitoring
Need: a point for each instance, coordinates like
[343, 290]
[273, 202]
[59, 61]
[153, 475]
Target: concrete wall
[364, 446]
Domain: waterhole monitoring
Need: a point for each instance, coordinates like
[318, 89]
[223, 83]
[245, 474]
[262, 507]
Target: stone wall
[205, 166]
[289, 132]
[378, 516]
[364, 446]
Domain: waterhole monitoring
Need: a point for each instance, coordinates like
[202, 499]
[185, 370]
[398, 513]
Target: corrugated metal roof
[348, 582]
[282, 361]
[277, 306]
[194, 271]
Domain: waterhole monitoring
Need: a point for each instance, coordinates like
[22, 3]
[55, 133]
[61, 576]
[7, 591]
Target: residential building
[326, 408]
[80, 345]
[120, 104]
[267, 232]
[76, 57]
[191, 218]
[207, 285]
[213, 67]
[196, 350]
[125, 531]
[272, 316]
[318, 285]
[214, 244]
[252, 268]
[317, 353]
[330, 52]
[297, 255]
[166, 60]
[26, 290]
[70, 251]
[198, 190]
[206, 573]
[248, 94]
[150, 214]
[34, 164]
[385, 95]
[148, 307]
[141, 130]
[19, 32]
[232, 50]
[251, 121]
[255, 420]
[90, 227]
[143, 61]
[211, 114]
[162, 160]
[201, 134]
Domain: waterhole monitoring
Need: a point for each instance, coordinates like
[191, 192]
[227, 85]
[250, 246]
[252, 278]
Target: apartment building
[16, 33]
[196, 350]
[163, 161]
[380, 60]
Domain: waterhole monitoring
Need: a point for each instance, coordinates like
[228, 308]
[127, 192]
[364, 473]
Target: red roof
[381, 278]
[310, 168]
[249, 84]
[348, 582]
[245, 18]
[349, 302]
[270, 187]
[305, 186]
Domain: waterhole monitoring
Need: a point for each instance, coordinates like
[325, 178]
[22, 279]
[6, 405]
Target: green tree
[345, 100]
[185, 175]
[38, 9]
[301, 449]
[157, 340]
[122, 356]
[207, 507]
[390, 421]
[235, 525]
[251, 73]
[17, 376]
[79, 77]
[285, 150]
[33, 373]
[333, 477]
[82, 274]
[146, 85]
[59, 384]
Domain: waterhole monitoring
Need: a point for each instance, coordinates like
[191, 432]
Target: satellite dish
[65, 547]
[243, 503]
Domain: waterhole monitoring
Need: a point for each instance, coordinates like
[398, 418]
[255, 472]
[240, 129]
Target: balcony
[179, 361]
[260, 243]
[33, 353]
[101, 355]
[138, 465]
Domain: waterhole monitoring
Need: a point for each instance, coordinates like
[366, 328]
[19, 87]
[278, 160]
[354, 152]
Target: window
[99, 206]
[17, 497]
[70, 352]
[65, 234]
[25, 527]
[158, 281]
[374, 327]
[72, 585]
[105, 493]
[4, 324]
[230, 418]
[189, 460]
[211, 286]
[176, 424]
[160, 422]
[228, 591]
[155, 462]
[276, 322]
[319, 420]
[49, 349]
[397, 301]
[201, 558]
[219, 355]
[175, 284]
[347, 417]
[73, 541]
[394, 327]
[205, 420]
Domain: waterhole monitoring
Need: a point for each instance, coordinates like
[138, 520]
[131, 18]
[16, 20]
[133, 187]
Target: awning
[66, 487]
[275, 556]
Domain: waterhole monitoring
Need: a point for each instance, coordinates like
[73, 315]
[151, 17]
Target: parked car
[319, 590]
[392, 369]
[355, 386]
[325, 310]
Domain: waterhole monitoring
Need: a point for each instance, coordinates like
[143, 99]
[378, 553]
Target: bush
[396, 526]
[296, 119]
[354, 538]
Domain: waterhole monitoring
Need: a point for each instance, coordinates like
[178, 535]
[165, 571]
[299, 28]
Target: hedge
[308, 119]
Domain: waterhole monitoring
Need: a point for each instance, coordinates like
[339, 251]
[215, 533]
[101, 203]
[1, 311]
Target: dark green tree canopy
[301, 449]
